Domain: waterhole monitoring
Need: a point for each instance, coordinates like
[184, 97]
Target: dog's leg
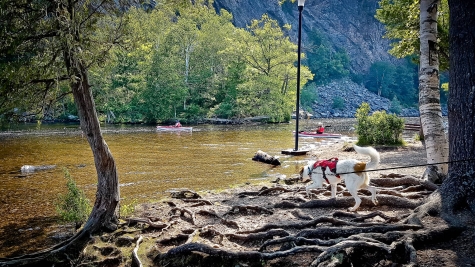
[372, 189]
[310, 186]
[333, 186]
[354, 193]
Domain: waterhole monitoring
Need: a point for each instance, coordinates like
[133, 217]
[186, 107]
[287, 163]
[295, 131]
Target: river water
[149, 163]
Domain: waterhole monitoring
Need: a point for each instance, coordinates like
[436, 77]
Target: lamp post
[297, 109]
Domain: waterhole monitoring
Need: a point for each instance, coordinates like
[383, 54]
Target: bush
[379, 128]
[338, 103]
[396, 106]
[73, 206]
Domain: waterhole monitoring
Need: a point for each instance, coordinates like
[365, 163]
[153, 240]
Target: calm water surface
[149, 163]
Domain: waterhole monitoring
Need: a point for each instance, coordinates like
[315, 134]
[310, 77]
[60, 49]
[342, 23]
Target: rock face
[348, 24]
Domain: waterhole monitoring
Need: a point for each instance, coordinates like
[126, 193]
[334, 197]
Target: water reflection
[149, 163]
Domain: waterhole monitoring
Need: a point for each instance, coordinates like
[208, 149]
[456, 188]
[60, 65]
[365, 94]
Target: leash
[410, 166]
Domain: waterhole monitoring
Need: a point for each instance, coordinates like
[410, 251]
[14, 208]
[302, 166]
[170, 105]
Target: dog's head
[316, 175]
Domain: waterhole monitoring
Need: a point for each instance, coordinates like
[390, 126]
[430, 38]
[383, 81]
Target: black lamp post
[297, 109]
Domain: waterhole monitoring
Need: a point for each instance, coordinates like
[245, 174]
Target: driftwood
[266, 158]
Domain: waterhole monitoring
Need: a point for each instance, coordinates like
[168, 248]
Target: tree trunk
[458, 191]
[107, 195]
[429, 95]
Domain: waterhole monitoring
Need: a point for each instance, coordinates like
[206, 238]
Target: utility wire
[410, 166]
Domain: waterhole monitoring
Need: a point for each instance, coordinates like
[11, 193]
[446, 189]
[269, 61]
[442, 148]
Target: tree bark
[458, 191]
[429, 95]
[107, 196]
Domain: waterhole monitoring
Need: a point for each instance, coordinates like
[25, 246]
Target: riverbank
[272, 221]
[260, 216]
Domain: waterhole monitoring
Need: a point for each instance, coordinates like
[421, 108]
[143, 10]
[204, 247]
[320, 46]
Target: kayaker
[320, 128]
[177, 124]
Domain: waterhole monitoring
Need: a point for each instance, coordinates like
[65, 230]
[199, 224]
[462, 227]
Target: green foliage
[325, 63]
[389, 80]
[308, 96]
[338, 103]
[73, 206]
[379, 128]
[269, 79]
[401, 20]
[179, 60]
[418, 137]
[126, 210]
[395, 107]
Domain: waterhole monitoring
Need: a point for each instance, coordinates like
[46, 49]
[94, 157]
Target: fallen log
[266, 158]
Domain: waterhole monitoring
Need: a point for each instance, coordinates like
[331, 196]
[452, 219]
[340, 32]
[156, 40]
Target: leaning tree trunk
[107, 196]
[458, 190]
[103, 214]
[429, 95]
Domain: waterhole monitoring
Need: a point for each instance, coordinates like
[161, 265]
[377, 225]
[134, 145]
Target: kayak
[316, 135]
[174, 129]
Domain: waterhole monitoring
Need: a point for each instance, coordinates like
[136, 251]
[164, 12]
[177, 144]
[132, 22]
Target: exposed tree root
[184, 194]
[273, 189]
[183, 211]
[156, 225]
[198, 202]
[248, 209]
[349, 202]
[406, 180]
[319, 231]
[135, 258]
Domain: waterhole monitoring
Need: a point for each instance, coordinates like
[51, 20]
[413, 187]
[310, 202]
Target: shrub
[126, 210]
[338, 103]
[395, 106]
[379, 128]
[73, 206]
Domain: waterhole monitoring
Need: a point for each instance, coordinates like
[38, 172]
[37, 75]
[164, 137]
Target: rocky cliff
[348, 24]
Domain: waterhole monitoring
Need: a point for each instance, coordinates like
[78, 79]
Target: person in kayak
[320, 129]
[177, 124]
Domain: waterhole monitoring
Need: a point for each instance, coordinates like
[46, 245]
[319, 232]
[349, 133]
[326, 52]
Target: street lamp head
[301, 2]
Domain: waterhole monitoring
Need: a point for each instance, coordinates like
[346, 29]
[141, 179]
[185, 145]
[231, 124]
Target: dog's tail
[374, 155]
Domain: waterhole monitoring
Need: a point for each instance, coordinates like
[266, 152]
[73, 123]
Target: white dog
[332, 171]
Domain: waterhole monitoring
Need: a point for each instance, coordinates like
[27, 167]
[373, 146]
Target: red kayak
[317, 135]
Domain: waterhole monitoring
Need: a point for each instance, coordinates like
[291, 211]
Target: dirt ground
[277, 224]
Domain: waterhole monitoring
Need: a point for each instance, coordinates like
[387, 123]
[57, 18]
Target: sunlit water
[149, 163]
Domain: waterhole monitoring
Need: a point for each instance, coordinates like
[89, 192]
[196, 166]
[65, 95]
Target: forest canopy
[185, 61]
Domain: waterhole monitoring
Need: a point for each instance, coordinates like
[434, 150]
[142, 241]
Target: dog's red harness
[324, 164]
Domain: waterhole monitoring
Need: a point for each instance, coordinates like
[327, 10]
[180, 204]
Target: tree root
[182, 213]
[273, 189]
[406, 180]
[360, 218]
[197, 202]
[248, 209]
[156, 225]
[226, 222]
[349, 202]
[257, 236]
[184, 194]
[135, 258]
[384, 235]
